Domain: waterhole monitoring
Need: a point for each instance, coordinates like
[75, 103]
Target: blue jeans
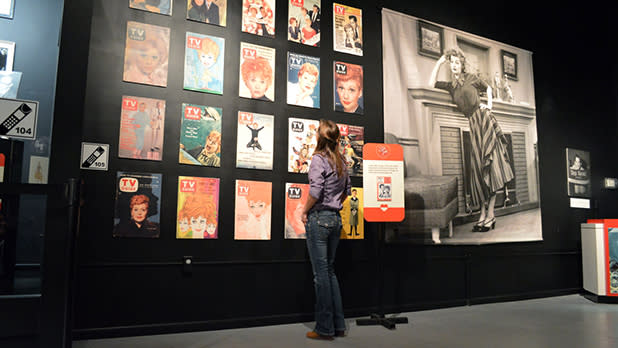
[323, 231]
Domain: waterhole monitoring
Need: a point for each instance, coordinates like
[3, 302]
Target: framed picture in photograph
[509, 64]
[7, 53]
[578, 173]
[430, 40]
[6, 8]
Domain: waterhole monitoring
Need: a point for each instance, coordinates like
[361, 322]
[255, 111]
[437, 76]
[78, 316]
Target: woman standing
[329, 187]
[490, 169]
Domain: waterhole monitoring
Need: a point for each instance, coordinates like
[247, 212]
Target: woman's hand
[434, 73]
[303, 218]
[490, 97]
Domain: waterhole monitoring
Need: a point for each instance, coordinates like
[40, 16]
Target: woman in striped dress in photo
[490, 168]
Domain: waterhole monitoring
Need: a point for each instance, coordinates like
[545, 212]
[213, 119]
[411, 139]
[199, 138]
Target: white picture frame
[6, 8]
[7, 55]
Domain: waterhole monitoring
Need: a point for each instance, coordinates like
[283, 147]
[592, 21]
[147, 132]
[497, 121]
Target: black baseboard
[20, 342]
[180, 327]
[424, 306]
[599, 299]
[210, 325]
[170, 328]
[19, 316]
[524, 296]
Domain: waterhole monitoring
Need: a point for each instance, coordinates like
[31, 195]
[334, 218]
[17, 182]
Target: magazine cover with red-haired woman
[146, 54]
[348, 86]
[138, 205]
[198, 208]
[257, 72]
[303, 80]
[253, 210]
[295, 199]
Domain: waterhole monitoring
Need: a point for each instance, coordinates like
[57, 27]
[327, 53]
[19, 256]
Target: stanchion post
[379, 318]
[383, 184]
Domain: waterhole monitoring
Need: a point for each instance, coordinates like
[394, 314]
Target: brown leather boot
[316, 336]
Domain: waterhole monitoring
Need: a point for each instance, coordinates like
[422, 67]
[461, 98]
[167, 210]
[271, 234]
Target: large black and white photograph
[578, 173]
[7, 54]
[469, 135]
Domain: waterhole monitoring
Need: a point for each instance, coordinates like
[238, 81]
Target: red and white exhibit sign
[383, 182]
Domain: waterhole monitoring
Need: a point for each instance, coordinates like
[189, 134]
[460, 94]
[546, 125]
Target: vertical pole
[73, 200]
[380, 275]
[379, 317]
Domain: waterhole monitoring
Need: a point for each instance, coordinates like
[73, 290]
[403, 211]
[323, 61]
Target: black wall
[129, 286]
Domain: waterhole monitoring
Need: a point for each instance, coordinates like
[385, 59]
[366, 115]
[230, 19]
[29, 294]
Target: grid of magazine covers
[142, 130]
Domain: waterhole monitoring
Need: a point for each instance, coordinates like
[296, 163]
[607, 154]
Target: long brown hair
[328, 145]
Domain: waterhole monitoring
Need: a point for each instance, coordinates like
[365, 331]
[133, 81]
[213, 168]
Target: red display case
[600, 256]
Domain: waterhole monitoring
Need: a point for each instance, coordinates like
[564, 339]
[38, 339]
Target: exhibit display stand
[600, 259]
[11, 154]
[384, 202]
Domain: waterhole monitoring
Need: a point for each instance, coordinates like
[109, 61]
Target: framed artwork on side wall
[6, 8]
[7, 54]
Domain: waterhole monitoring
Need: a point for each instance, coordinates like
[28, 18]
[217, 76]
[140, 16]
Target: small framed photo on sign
[7, 53]
[509, 64]
[430, 40]
[578, 173]
[6, 8]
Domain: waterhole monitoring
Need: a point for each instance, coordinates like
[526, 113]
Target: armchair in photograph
[430, 200]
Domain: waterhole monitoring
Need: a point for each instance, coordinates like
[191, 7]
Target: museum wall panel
[138, 285]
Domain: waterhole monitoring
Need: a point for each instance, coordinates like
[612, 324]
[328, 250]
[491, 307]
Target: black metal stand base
[380, 319]
[600, 299]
